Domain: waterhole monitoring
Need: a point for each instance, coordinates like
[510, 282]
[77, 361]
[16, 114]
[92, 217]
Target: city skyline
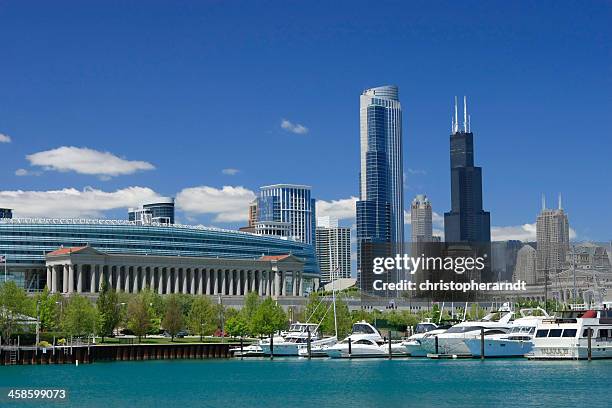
[112, 114]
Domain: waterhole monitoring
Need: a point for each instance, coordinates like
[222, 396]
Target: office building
[552, 234]
[286, 209]
[333, 246]
[161, 212]
[421, 219]
[380, 209]
[466, 222]
[525, 268]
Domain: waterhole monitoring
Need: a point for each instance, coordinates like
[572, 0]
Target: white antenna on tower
[465, 114]
[560, 206]
[469, 124]
[456, 126]
[543, 202]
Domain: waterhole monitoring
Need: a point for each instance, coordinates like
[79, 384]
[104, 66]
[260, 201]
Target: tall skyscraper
[420, 219]
[380, 209]
[333, 245]
[466, 221]
[287, 207]
[552, 234]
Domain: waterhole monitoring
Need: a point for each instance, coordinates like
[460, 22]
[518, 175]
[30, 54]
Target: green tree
[343, 317]
[201, 319]
[139, 315]
[108, 310]
[269, 317]
[49, 311]
[237, 326]
[251, 303]
[14, 304]
[173, 318]
[80, 317]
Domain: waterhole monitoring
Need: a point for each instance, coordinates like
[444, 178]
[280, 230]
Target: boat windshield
[359, 328]
[424, 327]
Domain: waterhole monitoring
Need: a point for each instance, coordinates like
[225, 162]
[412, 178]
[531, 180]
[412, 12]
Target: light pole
[37, 324]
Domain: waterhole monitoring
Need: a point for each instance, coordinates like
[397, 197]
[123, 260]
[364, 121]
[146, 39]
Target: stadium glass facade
[25, 242]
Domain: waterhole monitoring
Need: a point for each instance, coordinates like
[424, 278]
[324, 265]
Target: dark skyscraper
[466, 221]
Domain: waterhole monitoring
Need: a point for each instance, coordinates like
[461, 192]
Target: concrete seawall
[110, 352]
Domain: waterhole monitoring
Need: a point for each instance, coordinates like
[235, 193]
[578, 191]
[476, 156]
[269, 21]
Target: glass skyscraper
[289, 204]
[380, 209]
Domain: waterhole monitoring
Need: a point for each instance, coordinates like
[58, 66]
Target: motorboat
[294, 338]
[365, 341]
[568, 337]
[451, 341]
[516, 343]
[421, 330]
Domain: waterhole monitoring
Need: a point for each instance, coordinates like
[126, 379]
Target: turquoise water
[294, 383]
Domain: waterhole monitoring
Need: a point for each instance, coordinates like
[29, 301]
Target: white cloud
[5, 138]
[86, 161]
[294, 127]
[230, 172]
[525, 233]
[229, 204]
[24, 172]
[416, 171]
[70, 202]
[341, 209]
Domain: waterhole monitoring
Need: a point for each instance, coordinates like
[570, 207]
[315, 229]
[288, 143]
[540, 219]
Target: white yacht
[516, 343]
[364, 341]
[567, 337]
[294, 338]
[452, 340]
[421, 330]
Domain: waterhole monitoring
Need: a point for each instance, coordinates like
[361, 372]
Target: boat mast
[334, 301]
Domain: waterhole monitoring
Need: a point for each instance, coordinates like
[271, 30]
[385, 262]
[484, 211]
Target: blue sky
[176, 92]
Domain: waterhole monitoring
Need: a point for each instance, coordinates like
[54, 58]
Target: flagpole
[5, 273]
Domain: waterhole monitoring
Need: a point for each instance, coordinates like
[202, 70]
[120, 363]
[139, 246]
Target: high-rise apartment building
[380, 209]
[333, 245]
[552, 234]
[287, 210]
[421, 219]
[525, 268]
[466, 221]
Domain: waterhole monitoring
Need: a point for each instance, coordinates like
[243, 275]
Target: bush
[44, 344]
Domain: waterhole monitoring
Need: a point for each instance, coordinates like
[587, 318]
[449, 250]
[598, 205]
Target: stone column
[70, 278]
[135, 277]
[160, 281]
[111, 278]
[49, 277]
[200, 281]
[185, 280]
[261, 283]
[92, 283]
[294, 283]
[152, 279]
[192, 285]
[217, 275]
[102, 277]
[168, 280]
[177, 277]
[208, 276]
[144, 280]
[301, 284]
[223, 282]
[231, 282]
[78, 271]
[277, 283]
[65, 278]
[53, 281]
[126, 284]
